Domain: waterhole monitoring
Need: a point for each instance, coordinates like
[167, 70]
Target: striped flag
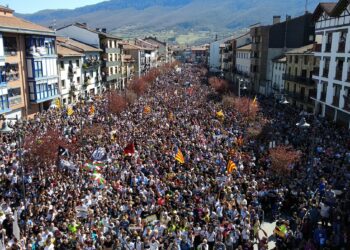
[180, 157]
[230, 166]
[147, 110]
[254, 100]
[92, 110]
[70, 111]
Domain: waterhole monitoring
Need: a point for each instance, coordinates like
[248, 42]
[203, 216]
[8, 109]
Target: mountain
[178, 16]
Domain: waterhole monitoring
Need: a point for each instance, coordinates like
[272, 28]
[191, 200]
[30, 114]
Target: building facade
[163, 50]
[279, 65]
[111, 53]
[28, 59]
[333, 50]
[300, 88]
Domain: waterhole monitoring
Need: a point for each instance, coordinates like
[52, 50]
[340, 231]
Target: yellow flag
[70, 111]
[254, 100]
[220, 114]
[92, 110]
[180, 157]
[58, 103]
[147, 110]
[230, 166]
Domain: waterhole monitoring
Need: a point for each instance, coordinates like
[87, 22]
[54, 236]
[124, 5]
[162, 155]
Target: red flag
[129, 149]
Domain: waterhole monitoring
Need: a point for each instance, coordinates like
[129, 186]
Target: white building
[70, 74]
[215, 58]
[243, 59]
[333, 47]
[279, 65]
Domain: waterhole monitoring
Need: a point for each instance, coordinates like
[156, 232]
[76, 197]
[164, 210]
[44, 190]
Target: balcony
[41, 92]
[323, 96]
[335, 101]
[341, 47]
[89, 65]
[12, 75]
[328, 47]
[338, 75]
[298, 79]
[112, 50]
[317, 47]
[15, 100]
[346, 103]
[112, 63]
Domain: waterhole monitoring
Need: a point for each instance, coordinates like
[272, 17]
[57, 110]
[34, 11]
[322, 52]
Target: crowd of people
[123, 188]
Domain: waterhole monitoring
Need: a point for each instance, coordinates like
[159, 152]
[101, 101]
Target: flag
[231, 166]
[129, 150]
[92, 167]
[180, 157]
[58, 103]
[92, 110]
[147, 110]
[70, 111]
[68, 165]
[63, 151]
[220, 114]
[99, 154]
[15, 230]
[98, 178]
[254, 100]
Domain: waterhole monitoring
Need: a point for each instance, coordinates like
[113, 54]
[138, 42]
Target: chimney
[276, 19]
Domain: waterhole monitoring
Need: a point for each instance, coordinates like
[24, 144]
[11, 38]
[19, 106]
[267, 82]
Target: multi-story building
[279, 65]
[299, 85]
[139, 59]
[199, 54]
[151, 53]
[28, 60]
[163, 49]
[128, 70]
[242, 68]
[333, 50]
[227, 57]
[90, 68]
[111, 55]
[70, 74]
[274, 40]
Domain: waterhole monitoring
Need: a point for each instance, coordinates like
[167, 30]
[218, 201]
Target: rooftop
[67, 52]
[96, 31]
[73, 44]
[245, 47]
[308, 49]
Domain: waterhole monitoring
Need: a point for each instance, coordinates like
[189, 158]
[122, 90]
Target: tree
[219, 85]
[138, 86]
[282, 158]
[130, 97]
[41, 149]
[115, 103]
[247, 108]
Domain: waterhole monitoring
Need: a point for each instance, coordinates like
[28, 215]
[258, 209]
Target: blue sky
[31, 6]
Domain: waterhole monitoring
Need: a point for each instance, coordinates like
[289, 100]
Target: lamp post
[241, 81]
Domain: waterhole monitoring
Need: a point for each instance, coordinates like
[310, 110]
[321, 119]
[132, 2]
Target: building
[90, 67]
[199, 54]
[128, 70]
[70, 74]
[151, 53]
[274, 40]
[139, 59]
[111, 54]
[28, 60]
[163, 50]
[299, 85]
[242, 64]
[215, 54]
[279, 65]
[227, 57]
[332, 24]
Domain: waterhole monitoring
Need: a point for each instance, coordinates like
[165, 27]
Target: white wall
[279, 69]
[80, 34]
[243, 61]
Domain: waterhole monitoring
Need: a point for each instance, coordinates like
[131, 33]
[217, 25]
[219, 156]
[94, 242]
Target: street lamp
[284, 101]
[303, 123]
[241, 81]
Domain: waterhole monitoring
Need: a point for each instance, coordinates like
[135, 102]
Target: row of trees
[41, 147]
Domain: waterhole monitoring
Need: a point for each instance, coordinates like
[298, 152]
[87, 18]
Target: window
[290, 59]
[38, 69]
[12, 72]
[78, 79]
[296, 59]
[4, 102]
[77, 62]
[10, 46]
[14, 95]
[306, 60]
[62, 64]
[63, 83]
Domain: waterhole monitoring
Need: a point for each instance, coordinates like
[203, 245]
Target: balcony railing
[346, 103]
[12, 76]
[336, 101]
[317, 47]
[15, 100]
[338, 75]
[323, 96]
[298, 79]
[328, 47]
[91, 65]
[341, 47]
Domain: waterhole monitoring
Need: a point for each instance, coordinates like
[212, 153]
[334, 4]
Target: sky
[31, 6]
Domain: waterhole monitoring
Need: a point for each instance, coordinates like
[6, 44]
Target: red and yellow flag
[147, 110]
[180, 157]
[230, 166]
[92, 110]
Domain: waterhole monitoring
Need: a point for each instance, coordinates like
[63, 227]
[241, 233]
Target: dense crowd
[101, 198]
